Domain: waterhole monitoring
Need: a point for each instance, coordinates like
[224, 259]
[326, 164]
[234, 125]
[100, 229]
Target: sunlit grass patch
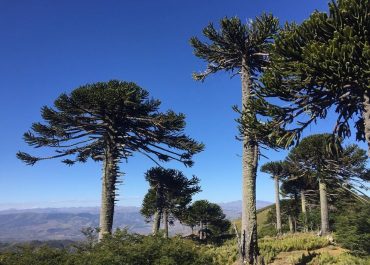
[343, 259]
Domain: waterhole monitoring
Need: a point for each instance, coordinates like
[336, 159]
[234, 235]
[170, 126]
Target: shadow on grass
[307, 258]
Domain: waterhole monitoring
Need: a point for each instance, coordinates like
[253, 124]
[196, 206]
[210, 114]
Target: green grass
[270, 247]
[343, 259]
[261, 218]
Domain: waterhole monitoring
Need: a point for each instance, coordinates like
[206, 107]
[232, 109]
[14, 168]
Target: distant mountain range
[66, 223]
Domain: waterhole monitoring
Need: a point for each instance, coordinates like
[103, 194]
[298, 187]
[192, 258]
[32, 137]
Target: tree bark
[324, 208]
[205, 236]
[249, 245]
[108, 193]
[366, 117]
[165, 223]
[157, 222]
[304, 212]
[277, 205]
[290, 221]
[201, 231]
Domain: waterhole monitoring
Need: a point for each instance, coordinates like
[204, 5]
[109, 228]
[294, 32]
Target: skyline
[49, 49]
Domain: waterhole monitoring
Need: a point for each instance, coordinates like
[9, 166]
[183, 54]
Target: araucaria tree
[109, 122]
[208, 216]
[312, 155]
[242, 49]
[332, 167]
[323, 65]
[277, 170]
[297, 183]
[169, 194]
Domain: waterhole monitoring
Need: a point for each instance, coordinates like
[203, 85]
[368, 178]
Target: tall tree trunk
[366, 117]
[205, 236]
[290, 221]
[324, 208]
[157, 222]
[277, 205]
[108, 193]
[304, 212]
[295, 224]
[165, 223]
[201, 231]
[249, 244]
[159, 212]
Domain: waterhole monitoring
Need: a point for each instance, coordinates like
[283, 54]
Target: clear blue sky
[50, 47]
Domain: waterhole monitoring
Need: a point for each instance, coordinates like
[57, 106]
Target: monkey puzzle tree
[242, 49]
[169, 194]
[296, 185]
[332, 167]
[312, 155]
[208, 216]
[109, 122]
[277, 170]
[322, 65]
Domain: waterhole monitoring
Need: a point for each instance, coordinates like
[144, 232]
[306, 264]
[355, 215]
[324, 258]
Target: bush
[28, 255]
[120, 249]
[353, 229]
[223, 255]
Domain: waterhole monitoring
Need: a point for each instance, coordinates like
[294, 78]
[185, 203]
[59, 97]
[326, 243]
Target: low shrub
[120, 249]
[352, 229]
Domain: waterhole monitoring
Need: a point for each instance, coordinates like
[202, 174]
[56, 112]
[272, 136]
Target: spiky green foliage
[109, 122]
[81, 124]
[321, 64]
[239, 48]
[352, 228]
[317, 158]
[236, 46]
[274, 168]
[293, 184]
[233, 42]
[208, 216]
[169, 190]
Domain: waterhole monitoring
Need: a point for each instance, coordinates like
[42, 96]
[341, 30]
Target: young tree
[323, 64]
[277, 170]
[109, 122]
[242, 49]
[169, 194]
[208, 216]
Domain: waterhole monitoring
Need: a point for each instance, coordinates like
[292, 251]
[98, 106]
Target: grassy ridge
[300, 248]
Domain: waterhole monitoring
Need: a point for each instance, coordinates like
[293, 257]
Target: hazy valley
[66, 223]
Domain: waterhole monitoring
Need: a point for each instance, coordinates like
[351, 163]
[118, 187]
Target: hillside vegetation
[123, 248]
[129, 249]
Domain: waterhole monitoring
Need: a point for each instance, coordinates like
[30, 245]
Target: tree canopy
[109, 122]
[169, 191]
[80, 125]
[323, 65]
